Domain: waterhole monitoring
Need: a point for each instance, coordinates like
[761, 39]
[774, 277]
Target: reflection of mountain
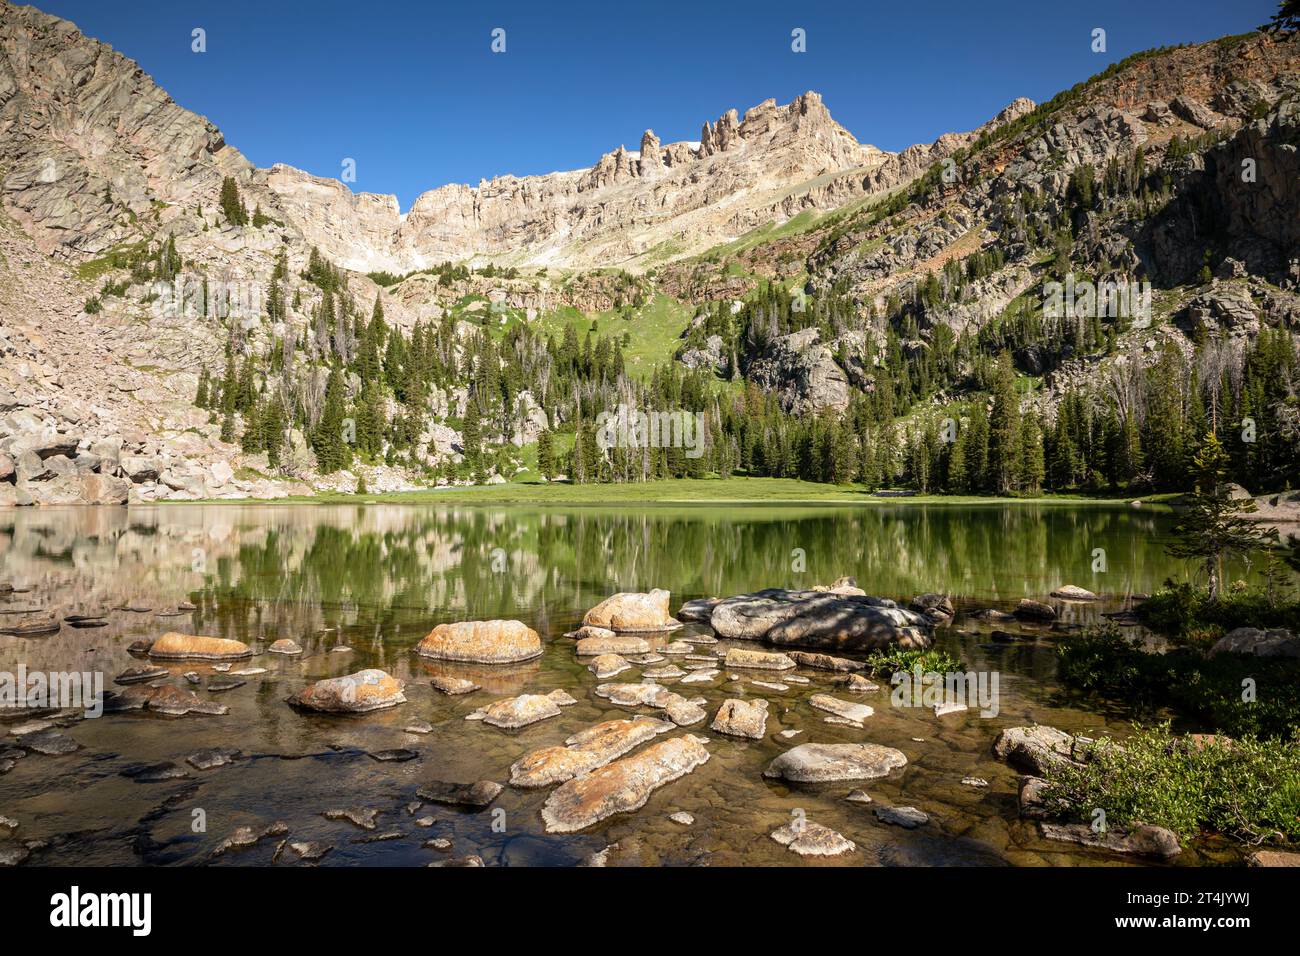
[300, 569]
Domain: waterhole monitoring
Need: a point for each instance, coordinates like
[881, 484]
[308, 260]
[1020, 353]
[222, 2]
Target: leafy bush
[901, 659]
[1205, 690]
[1244, 788]
[1181, 610]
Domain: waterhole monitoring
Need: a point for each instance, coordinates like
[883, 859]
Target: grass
[1186, 612]
[654, 330]
[736, 490]
[1246, 789]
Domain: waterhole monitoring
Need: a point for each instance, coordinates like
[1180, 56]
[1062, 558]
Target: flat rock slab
[633, 611]
[622, 786]
[819, 619]
[845, 710]
[212, 758]
[585, 751]
[167, 699]
[514, 712]
[140, 675]
[357, 693]
[392, 755]
[176, 647]
[1142, 840]
[820, 763]
[825, 662]
[480, 794]
[742, 718]
[740, 657]
[49, 743]
[453, 685]
[1072, 592]
[812, 839]
[481, 642]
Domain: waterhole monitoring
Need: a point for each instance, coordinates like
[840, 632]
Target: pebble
[681, 816]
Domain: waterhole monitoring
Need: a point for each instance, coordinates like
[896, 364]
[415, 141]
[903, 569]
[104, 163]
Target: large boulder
[177, 646]
[515, 712]
[1142, 840]
[820, 619]
[1252, 642]
[481, 642]
[621, 786]
[633, 611]
[1034, 749]
[820, 763]
[357, 693]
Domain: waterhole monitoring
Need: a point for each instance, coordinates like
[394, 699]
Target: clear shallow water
[377, 578]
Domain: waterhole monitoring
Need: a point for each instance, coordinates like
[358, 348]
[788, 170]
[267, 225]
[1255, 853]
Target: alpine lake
[358, 585]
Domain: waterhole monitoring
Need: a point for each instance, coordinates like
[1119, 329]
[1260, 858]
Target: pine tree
[201, 397]
[232, 206]
[332, 451]
[471, 439]
[1215, 527]
[546, 454]
[1004, 459]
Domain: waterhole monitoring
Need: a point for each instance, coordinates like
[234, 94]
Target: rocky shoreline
[613, 768]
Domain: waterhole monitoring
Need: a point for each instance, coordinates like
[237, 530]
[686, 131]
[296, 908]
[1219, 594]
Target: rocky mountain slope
[777, 252]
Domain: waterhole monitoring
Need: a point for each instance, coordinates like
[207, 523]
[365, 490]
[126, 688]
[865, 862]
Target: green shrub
[1184, 611]
[1245, 788]
[883, 662]
[1205, 691]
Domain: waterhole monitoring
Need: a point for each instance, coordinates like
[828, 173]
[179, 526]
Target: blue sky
[411, 91]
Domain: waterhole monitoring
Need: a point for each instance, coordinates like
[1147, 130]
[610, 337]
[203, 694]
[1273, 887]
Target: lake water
[376, 578]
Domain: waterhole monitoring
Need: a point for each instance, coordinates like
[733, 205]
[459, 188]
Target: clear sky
[411, 90]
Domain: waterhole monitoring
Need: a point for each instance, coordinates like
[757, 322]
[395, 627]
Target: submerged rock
[514, 712]
[812, 839]
[1142, 840]
[480, 794]
[357, 693]
[310, 851]
[819, 763]
[909, 818]
[140, 675]
[585, 751]
[167, 699]
[682, 817]
[48, 743]
[212, 758]
[741, 718]
[819, 619]
[453, 685]
[286, 647]
[633, 611]
[176, 646]
[481, 642]
[622, 786]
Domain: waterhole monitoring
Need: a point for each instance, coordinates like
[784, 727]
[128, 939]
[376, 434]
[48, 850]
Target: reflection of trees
[289, 570]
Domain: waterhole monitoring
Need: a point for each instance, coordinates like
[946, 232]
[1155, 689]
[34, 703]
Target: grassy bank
[684, 491]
